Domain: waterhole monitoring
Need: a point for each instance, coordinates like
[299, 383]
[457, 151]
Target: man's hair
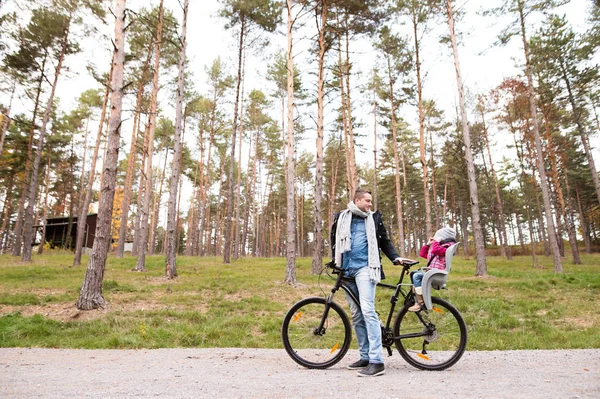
[360, 193]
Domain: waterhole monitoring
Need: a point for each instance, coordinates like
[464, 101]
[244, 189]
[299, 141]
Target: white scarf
[343, 241]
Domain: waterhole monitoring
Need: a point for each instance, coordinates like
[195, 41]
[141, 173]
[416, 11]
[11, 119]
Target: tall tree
[171, 266]
[263, 14]
[42, 35]
[290, 270]
[397, 63]
[141, 47]
[477, 231]
[149, 147]
[65, 48]
[561, 51]
[419, 12]
[90, 296]
[321, 13]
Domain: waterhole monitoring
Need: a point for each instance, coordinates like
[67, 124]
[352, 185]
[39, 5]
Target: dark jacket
[383, 241]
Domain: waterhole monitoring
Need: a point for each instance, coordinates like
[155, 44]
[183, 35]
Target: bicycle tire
[439, 336]
[308, 348]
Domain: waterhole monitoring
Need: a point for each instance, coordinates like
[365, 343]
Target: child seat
[437, 278]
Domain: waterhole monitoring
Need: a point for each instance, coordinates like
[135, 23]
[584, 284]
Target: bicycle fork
[320, 330]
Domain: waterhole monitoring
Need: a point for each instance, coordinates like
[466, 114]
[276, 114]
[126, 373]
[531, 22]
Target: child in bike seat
[435, 253]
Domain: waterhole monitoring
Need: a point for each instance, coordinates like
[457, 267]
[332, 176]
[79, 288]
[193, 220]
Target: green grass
[242, 304]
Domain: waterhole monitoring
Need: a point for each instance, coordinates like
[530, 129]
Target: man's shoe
[373, 370]
[361, 364]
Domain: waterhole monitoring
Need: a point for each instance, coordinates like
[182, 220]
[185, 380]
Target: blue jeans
[364, 317]
[417, 278]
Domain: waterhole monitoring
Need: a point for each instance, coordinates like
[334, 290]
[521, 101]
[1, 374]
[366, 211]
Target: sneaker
[417, 307]
[361, 364]
[373, 370]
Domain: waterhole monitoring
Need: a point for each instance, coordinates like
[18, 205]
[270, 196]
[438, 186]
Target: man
[357, 236]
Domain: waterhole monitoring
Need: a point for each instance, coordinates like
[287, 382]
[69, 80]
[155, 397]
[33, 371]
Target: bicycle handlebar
[404, 262]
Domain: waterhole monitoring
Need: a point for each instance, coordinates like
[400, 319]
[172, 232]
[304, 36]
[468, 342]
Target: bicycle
[317, 333]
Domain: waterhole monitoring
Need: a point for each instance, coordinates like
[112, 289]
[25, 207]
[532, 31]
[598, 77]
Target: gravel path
[270, 373]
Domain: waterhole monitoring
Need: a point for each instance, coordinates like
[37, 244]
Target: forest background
[191, 151]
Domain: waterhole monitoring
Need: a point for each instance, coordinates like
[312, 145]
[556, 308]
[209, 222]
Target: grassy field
[243, 304]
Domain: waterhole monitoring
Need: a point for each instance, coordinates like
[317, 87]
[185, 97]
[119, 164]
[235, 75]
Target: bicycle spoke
[432, 340]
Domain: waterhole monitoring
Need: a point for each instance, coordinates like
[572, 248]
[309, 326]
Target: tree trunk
[149, 145]
[90, 296]
[228, 218]
[85, 205]
[290, 269]
[538, 149]
[155, 211]
[351, 159]
[45, 214]
[317, 259]
[374, 151]
[237, 205]
[476, 223]
[428, 228]
[140, 201]
[6, 212]
[28, 232]
[171, 252]
[503, 236]
[131, 160]
[585, 231]
[399, 211]
[568, 216]
[5, 122]
[581, 131]
[18, 229]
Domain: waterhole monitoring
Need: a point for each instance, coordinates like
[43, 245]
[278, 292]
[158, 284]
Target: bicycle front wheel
[431, 340]
[310, 346]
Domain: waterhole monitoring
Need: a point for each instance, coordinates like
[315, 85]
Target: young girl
[435, 253]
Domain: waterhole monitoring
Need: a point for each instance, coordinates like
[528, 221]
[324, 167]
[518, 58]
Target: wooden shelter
[57, 229]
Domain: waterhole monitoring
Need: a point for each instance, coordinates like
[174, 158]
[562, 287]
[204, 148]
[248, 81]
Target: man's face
[365, 203]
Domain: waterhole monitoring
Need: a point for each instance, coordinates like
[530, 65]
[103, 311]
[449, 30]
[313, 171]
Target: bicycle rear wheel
[431, 340]
[310, 347]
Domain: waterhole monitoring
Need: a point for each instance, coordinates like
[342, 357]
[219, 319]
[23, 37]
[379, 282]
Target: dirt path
[270, 373]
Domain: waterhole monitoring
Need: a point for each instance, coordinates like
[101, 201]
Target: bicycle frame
[387, 339]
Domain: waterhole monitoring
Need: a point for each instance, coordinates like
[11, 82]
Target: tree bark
[374, 151]
[475, 221]
[85, 205]
[351, 158]
[317, 258]
[90, 296]
[290, 269]
[171, 252]
[45, 214]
